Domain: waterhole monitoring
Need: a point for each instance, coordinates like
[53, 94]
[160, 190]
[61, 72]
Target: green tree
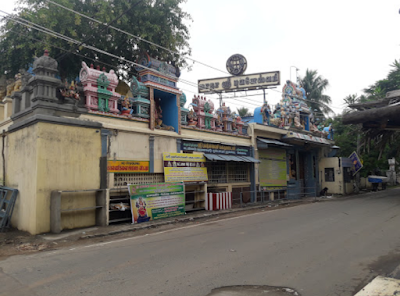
[392, 82]
[315, 85]
[376, 145]
[243, 111]
[158, 21]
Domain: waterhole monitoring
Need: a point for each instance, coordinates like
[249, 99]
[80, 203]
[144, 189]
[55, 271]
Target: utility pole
[264, 96]
[358, 173]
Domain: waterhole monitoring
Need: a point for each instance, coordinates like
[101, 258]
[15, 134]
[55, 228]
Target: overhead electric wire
[107, 26]
[77, 54]
[134, 36]
[69, 39]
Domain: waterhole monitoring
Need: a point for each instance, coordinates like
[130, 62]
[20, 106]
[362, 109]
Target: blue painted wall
[169, 108]
[258, 118]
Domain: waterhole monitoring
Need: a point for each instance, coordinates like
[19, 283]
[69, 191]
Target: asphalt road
[326, 248]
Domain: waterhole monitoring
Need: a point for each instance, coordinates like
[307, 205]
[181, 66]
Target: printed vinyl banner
[184, 167]
[272, 169]
[156, 201]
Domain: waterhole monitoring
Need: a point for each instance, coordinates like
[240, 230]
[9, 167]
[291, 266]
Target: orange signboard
[127, 166]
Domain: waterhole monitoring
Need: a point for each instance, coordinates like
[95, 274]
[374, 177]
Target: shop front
[272, 170]
[230, 167]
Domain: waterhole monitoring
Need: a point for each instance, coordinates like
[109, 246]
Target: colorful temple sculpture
[184, 111]
[140, 101]
[70, 91]
[99, 89]
[41, 91]
[204, 110]
[292, 112]
[203, 116]
[161, 80]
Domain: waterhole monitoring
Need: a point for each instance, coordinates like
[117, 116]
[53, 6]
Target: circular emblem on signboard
[236, 64]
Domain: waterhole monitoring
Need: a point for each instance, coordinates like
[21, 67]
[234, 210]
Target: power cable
[107, 26]
[134, 36]
[68, 39]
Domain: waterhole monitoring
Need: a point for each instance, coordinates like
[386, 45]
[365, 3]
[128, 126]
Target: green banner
[156, 201]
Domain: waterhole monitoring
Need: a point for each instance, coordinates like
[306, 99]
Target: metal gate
[8, 196]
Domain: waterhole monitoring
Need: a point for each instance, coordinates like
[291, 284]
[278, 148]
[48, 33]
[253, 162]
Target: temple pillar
[152, 108]
[1, 111]
[179, 113]
[7, 107]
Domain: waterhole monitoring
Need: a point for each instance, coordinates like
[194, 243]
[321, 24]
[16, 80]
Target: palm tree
[315, 85]
[379, 89]
[244, 112]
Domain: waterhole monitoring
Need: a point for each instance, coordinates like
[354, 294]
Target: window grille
[125, 179]
[216, 172]
[329, 175]
[227, 172]
[237, 172]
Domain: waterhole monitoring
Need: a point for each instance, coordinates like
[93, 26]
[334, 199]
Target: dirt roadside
[14, 242]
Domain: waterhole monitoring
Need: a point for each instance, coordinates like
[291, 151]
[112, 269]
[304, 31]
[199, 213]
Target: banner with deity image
[156, 201]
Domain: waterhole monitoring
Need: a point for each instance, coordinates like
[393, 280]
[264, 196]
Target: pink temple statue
[204, 110]
[99, 89]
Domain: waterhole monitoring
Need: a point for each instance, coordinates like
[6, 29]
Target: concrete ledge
[54, 120]
[381, 286]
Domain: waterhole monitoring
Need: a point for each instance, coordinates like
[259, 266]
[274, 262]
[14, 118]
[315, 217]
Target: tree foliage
[392, 82]
[243, 111]
[315, 86]
[375, 145]
[158, 21]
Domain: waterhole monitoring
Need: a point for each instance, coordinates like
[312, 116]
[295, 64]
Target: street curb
[189, 218]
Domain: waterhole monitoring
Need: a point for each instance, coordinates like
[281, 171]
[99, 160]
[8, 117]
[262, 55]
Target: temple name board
[215, 148]
[127, 166]
[236, 83]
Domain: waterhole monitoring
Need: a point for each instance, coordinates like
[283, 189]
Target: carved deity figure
[266, 113]
[234, 126]
[10, 87]
[313, 128]
[18, 82]
[192, 116]
[297, 122]
[330, 132]
[219, 123]
[126, 107]
[157, 116]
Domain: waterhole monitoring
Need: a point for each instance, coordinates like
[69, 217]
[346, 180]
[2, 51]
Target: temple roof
[381, 114]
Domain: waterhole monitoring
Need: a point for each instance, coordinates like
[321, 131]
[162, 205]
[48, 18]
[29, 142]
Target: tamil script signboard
[357, 164]
[237, 83]
[215, 148]
[184, 167]
[127, 166]
[156, 201]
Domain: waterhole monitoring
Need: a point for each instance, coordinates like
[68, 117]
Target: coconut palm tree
[315, 85]
[244, 112]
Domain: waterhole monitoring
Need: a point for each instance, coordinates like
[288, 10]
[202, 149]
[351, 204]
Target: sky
[350, 43]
